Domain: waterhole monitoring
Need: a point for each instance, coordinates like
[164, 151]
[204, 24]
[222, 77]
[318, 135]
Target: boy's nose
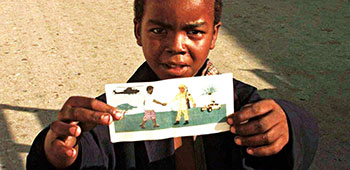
[176, 44]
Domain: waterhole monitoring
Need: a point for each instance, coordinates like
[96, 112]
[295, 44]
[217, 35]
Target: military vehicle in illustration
[212, 106]
[128, 90]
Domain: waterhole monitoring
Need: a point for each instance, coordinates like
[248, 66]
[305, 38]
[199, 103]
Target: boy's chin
[168, 73]
[171, 76]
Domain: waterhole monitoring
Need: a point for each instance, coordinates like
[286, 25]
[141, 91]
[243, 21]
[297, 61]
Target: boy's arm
[261, 126]
[93, 149]
[302, 130]
[36, 158]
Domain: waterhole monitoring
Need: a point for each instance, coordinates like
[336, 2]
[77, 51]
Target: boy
[148, 107]
[176, 36]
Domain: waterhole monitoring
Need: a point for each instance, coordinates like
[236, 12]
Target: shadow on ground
[307, 45]
[10, 150]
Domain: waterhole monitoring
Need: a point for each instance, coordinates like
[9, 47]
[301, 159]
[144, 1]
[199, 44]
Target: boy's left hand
[262, 126]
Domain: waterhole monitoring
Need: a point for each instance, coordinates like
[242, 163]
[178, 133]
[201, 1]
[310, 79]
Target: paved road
[51, 50]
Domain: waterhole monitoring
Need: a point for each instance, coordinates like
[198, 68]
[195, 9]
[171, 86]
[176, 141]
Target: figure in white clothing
[149, 109]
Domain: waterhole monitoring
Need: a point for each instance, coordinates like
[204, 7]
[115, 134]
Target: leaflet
[171, 108]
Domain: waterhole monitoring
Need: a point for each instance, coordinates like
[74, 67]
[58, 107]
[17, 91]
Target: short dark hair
[139, 8]
[149, 88]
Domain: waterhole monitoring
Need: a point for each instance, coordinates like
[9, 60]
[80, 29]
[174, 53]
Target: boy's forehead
[167, 8]
[192, 2]
[187, 3]
[180, 4]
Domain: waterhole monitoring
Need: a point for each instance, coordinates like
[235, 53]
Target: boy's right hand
[60, 145]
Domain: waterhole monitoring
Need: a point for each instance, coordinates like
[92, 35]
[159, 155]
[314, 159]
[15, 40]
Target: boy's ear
[215, 35]
[137, 32]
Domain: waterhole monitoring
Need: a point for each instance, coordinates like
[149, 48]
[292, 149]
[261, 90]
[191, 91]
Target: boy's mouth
[175, 69]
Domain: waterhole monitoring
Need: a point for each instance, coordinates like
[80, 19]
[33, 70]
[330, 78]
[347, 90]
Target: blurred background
[53, 49]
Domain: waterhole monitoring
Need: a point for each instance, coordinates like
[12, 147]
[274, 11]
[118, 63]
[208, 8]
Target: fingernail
[73, 130]
[74, 123]
[230, 121]
[77, 131]
[114, 111]
[233, 129]
[70, 152]
[238, 140]
[246, 121]
[250, 151]
[119, 115]
[107, 118]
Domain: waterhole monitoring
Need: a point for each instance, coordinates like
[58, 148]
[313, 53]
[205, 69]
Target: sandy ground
[53, 49]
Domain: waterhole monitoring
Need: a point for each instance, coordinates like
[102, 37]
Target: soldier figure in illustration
[183, 99]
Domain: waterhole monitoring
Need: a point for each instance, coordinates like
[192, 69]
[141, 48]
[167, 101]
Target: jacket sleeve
[97, 152]
[303, 134]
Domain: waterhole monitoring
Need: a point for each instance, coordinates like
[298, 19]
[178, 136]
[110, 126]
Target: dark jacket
[219, 150]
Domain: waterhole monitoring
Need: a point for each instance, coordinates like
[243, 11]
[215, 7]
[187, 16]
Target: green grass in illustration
[167, 119]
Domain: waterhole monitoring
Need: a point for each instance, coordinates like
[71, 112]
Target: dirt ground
[53, 49]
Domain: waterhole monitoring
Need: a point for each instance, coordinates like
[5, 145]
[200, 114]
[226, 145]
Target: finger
[60, 153]
[86, 116]
[261, 139]
[260, 125]
[267, 150]
[229, 119]
[61, 150]
[71, 141]
[63, 129]
[247, 105]
[88, 103]
[252, 111]
[118, 114]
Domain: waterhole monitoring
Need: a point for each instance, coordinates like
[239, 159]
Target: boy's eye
[195, 33]
[158, 30]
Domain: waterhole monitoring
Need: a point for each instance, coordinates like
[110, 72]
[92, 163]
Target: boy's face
[176, 35]
[150, 90]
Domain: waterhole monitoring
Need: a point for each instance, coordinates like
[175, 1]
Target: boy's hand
[60, 146]
[261, 126]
